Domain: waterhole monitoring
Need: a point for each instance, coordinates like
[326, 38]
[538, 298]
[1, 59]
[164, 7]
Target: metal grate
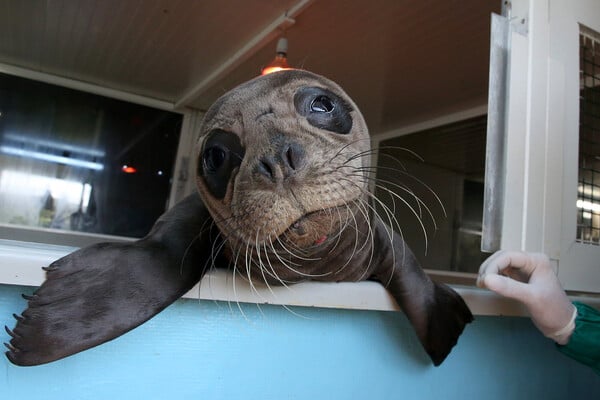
[588, 197]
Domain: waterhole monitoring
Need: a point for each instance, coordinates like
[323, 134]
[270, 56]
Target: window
[550, 167]
[437, 176]
[588, 188]
[74, 161]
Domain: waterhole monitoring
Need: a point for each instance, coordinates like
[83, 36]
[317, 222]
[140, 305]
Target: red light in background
[280, 62]
[128, 170]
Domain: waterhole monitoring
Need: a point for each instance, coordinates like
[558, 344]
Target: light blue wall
[204, 350]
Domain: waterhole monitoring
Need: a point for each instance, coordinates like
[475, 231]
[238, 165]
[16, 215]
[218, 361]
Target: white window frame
[541, 159]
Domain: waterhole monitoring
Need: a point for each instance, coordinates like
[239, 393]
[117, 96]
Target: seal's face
[282, 158]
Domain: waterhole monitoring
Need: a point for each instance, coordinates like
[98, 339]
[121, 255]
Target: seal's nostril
[289, 154]
[282, 164]
[293, 157]
[265, 168]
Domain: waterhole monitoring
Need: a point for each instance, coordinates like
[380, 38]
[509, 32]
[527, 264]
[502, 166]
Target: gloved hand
[529, 278]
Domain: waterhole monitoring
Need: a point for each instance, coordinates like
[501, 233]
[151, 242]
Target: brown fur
[258, 112]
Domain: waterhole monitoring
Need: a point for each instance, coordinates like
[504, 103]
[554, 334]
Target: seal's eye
[221, 154]
[213, 159]
[324, 109]
[322, 104]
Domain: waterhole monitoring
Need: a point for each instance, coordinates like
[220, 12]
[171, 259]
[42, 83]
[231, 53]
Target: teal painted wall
[207, 350]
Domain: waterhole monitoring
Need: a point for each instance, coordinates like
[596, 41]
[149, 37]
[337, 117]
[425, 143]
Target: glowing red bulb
[128, 169]
[280, 62]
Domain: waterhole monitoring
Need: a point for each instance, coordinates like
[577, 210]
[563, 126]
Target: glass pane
[75, 161]
[437, 176]
[588, 188]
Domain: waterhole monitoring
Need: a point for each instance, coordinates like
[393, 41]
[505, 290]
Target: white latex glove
[529, 278]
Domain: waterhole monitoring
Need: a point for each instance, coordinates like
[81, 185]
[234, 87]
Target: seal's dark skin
[283, 165]
[102, 291]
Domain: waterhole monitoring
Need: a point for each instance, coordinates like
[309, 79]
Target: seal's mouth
[315, 228]
[299, 228]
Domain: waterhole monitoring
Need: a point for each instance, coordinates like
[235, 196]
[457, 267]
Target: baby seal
[283, 166]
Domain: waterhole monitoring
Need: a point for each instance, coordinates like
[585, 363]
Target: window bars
[588, 196]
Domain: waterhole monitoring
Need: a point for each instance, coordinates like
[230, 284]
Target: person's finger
[501, 260]
[507, 287]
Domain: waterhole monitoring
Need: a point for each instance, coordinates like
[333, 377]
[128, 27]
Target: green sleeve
[584, 344]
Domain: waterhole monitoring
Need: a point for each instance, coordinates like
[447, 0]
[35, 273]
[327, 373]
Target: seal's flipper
[438, 314]
[442, 323]
[102, 291]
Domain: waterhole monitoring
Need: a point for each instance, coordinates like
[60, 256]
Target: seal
[283, 171]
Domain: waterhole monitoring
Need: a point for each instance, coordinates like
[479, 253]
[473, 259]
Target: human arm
[530, 279]
[584, 344]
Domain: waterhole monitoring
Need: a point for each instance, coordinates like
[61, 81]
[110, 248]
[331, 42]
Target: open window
[433, 180]
[77, 167]
[549, 165]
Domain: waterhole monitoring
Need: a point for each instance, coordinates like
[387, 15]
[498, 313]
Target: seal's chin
[316, 228]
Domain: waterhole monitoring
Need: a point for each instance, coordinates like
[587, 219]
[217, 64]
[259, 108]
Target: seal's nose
[293, 157]
[288, 159]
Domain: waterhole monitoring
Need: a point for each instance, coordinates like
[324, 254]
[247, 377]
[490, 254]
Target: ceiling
[402, 61]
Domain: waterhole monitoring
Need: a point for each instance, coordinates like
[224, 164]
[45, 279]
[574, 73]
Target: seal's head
[283, 156]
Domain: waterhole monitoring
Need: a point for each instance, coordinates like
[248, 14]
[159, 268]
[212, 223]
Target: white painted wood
[514, 185]
[86, 87]
[554, 176]
[526, 155]
[543, 140]
[535, 134]
[21, 264]
[579, 265]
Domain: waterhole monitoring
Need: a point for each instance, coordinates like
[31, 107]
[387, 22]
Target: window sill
[21, 264]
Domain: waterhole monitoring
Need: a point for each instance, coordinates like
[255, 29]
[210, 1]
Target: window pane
[437, 176]
[75, 161]
[588, 188]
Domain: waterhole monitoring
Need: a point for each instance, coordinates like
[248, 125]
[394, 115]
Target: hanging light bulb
[279, 63]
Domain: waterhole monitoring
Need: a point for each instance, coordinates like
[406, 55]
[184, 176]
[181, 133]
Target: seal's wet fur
[283, 172]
